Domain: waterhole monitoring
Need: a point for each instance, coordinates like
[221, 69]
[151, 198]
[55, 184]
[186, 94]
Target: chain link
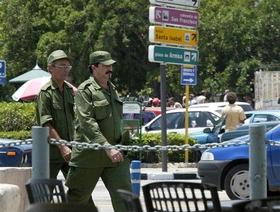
[136, 148]
[144, 148]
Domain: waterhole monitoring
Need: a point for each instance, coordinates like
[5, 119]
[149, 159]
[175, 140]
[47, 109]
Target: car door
[273, 154]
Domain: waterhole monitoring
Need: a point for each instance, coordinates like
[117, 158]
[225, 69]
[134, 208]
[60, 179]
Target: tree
[236, 38]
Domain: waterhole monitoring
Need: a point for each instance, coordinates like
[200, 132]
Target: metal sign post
[172, 13]
[163, 115]
[187, 91]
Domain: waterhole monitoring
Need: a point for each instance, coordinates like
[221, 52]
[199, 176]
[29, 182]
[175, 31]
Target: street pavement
[102, 199]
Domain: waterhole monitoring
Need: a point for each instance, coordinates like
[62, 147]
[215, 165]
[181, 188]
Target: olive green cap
[102, 57]
[57, 55]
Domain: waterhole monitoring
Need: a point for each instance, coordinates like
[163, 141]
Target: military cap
[102, 57]
[57, 55]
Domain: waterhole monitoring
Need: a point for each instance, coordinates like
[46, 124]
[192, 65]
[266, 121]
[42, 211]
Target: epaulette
[85, 84]
[46, 86]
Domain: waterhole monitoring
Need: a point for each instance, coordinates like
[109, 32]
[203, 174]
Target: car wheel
[237, 182]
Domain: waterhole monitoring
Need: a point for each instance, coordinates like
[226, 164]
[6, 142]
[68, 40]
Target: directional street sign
[171, 55]
[185, 3]
[3, 79]
[2, 69]
[174, 17]
[189, 76]
[171, 35]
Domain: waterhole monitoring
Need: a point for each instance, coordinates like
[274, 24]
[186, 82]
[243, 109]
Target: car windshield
[176, 120]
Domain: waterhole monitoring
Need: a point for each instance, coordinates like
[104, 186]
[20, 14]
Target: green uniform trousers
[82, 181]
[56, 167]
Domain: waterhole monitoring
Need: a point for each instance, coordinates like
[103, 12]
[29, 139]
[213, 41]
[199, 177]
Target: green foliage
[236, 38]
[23, 134]
[154, 139]
[17, 116]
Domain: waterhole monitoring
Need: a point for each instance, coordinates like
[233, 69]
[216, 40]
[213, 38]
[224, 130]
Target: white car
[218, 106]
[199, 119]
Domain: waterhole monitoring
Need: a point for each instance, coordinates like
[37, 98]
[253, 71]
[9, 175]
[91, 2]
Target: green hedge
[153, 139]
[16, 119]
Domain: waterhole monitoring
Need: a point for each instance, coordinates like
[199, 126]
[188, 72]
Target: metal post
[163, 115]
[257, 162]
[187, 91]
[135, 175]
[40, 153]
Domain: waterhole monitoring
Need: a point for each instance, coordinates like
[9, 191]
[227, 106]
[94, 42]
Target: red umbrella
[30, 89]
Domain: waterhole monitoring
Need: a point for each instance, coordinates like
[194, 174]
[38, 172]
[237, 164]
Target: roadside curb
[169, 176]
[177, 171]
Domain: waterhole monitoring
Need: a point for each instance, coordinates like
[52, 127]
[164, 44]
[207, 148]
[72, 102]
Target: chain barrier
[137, 148]
[16, 143]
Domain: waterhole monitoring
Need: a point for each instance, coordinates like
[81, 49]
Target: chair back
[259, 205]
[45, 190]
[180, 196]
[131, 201]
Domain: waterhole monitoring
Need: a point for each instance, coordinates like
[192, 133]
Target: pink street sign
[172, 16]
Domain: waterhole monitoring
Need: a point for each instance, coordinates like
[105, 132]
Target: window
[258, 118]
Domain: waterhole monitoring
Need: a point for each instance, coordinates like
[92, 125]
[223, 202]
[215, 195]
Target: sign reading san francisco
[171, 35]
[171, 16]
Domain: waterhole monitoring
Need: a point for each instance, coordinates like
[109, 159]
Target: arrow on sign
[194, 37]
[193, 55]
[189, 80]
[194, 2]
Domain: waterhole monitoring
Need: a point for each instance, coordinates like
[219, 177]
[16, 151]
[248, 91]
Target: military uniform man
[55, 109]
[99, 113]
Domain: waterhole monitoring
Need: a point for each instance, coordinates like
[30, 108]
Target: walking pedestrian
[55, 110]
[99, 113]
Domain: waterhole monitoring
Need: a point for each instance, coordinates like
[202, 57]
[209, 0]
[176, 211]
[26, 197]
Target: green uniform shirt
[99, 114]
[58, 109]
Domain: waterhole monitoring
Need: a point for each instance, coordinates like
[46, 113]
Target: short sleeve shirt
[57, 108]
[234, 116]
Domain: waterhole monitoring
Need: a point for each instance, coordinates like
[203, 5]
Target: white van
[218, 106]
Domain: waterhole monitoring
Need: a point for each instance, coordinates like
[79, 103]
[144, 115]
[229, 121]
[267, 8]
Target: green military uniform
[99, 114]
[57, 108]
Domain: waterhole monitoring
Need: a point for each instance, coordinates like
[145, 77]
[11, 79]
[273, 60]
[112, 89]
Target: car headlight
[207, 156]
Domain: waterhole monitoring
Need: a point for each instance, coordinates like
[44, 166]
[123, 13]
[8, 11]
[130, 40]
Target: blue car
[14, 156]
[227, 167]
[270, 118]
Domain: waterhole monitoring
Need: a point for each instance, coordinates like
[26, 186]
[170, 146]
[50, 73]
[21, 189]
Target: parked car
[15, 156]
[270, 118]
[227, 167]
[148, 114]
[218, 106]
[259, 116]
[199, 119]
